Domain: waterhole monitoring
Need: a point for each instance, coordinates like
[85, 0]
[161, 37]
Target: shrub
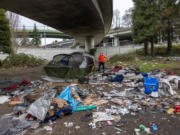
[93, 51]
[21, 60]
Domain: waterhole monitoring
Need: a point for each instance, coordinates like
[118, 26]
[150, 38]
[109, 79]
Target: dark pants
[101, 64]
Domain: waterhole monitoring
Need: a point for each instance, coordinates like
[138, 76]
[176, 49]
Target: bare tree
[127, 18]
[24, 37]
[14, 21]
[116, 19]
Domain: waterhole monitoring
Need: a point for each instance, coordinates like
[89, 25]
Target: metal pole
[44, 35]
[119, 46]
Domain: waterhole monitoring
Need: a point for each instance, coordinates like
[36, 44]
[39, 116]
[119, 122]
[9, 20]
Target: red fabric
[171, 73]
[116, 68]
[28, 116]
[13, 87]
[102, 57]
[177, 108]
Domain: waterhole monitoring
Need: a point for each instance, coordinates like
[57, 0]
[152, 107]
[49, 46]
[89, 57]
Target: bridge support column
[116, 41]
[89, 43]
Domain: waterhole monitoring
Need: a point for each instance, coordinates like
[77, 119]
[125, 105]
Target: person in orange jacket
[101, 61]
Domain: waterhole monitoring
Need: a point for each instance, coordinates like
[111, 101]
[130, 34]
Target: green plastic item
[142, 127]
[84, 108]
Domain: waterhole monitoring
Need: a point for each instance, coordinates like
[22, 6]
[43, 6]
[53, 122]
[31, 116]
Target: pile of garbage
[110, 95]
[38, 103]
[132, 92]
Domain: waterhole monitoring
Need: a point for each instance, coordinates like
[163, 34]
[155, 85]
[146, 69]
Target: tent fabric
[70, 66]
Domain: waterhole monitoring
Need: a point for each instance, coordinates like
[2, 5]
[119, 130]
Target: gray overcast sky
[122, 5]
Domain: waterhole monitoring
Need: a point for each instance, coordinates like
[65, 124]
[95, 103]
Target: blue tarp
[66, 95]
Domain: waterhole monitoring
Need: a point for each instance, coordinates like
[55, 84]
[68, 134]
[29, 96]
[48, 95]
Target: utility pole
[119, 19]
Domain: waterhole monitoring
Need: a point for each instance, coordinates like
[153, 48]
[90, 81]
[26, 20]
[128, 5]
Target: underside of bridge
[86, 20]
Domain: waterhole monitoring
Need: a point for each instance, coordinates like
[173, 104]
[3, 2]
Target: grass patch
[21, 60]
[146, 66]
[147, 63]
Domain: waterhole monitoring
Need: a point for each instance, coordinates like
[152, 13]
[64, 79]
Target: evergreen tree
[5, 35]
[153, 22]
[25, 39]
[145, 23]
[36, 41]
[170, 19]
[139, 24]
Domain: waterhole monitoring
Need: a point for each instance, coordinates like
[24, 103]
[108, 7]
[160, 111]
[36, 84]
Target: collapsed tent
[70, 66]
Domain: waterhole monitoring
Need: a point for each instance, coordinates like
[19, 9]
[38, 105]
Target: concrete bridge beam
[116, 41]
[89, 43]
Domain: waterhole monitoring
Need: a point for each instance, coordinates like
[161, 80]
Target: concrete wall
[3, 56]
[111, 51]
[48, 53]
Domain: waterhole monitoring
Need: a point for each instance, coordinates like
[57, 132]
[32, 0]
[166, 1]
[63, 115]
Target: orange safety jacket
[101, 58]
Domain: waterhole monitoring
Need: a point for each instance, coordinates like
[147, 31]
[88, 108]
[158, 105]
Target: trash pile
[130, 91]
[38, 103]
[110, 95]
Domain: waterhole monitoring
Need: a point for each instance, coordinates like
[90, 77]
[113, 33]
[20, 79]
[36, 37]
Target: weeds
[20, 60]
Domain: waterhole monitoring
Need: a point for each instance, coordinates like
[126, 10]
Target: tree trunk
[145, 48]
[169, 47]
[152, 47]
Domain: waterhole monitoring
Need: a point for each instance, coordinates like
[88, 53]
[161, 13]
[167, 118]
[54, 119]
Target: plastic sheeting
[84, 64]
[41, 106]
[10, 126]
[101, 116]
[54, 79]
[66, 95]
[4, 99]
[176, 80]
[170, 90]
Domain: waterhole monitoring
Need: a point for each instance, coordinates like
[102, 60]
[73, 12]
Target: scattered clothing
[118, 78]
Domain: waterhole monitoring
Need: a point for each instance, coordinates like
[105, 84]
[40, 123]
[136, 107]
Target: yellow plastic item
[12, 103]
[171, 111]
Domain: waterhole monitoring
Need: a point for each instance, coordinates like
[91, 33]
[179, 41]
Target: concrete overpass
[115, 36]
[86, 20]
[43, 34]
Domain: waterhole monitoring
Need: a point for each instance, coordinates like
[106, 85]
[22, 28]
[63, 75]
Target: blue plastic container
[150, 85]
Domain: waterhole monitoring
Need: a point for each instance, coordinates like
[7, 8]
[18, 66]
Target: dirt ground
[167, 124]
[26, 73]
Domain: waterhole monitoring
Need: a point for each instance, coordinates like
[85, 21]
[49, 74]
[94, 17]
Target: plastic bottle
[137, 131]
[143, 128]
